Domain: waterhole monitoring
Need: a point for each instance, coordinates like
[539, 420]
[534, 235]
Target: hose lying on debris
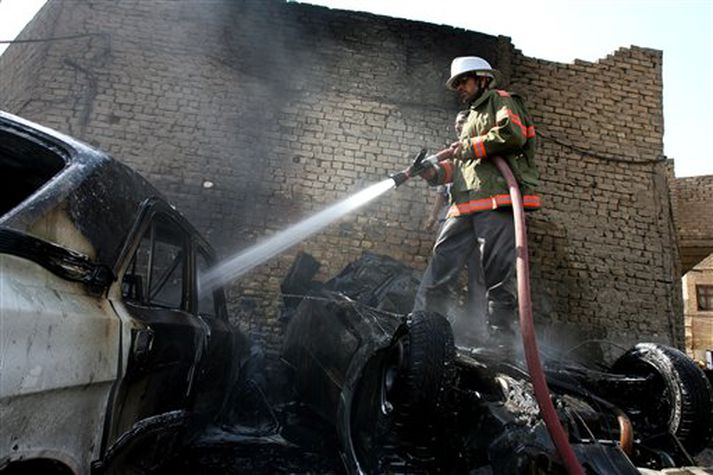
[529, 341]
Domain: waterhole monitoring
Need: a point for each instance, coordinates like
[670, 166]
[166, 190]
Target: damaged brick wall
[287, 108]
[605, 245]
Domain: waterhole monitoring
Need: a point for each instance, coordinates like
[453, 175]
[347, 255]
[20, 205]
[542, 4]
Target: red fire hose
[527, 327]
[539, 383]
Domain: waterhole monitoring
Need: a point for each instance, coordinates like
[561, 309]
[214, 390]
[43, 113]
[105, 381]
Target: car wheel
[397, 415]
[685, 401]
[421, 388]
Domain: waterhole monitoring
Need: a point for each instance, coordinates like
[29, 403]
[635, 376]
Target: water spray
[258, 254]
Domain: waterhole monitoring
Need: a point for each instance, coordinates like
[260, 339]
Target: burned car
[400, 397]
[108, 352]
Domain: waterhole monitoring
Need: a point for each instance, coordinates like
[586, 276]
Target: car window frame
[183, 243]
[148, 210]
[196, 244]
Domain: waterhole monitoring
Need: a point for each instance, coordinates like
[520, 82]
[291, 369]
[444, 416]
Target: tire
[423, 384]
[400, 403]
[686, 397]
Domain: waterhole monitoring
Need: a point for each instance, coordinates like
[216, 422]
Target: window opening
[156, 273]
[704, 294]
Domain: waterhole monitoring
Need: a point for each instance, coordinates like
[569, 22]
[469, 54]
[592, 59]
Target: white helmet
[471, 64]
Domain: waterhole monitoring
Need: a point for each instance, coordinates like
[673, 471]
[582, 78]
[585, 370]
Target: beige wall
[699, 323]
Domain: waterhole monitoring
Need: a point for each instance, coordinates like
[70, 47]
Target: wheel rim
[389, 377]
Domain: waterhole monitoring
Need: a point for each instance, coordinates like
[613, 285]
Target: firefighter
[479, 227]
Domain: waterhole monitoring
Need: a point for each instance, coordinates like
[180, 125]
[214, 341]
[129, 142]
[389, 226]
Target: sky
[559, 30]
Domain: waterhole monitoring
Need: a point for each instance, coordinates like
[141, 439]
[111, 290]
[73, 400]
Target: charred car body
[403, 398]
[108, 352]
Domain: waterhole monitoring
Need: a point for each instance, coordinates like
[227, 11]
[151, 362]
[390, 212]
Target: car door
[164, 340]
[221, 359]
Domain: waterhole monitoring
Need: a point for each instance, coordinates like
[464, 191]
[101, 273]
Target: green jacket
[498, 124]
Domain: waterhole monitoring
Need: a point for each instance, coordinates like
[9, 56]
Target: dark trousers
[484, 241]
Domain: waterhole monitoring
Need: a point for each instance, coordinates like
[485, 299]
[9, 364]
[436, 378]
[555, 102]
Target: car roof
[101, 196]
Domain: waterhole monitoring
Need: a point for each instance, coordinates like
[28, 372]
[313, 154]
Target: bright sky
[14, 15]
[559, 30]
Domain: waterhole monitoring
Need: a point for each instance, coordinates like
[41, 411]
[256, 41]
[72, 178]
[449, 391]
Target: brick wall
[288, 107]
[604, 245]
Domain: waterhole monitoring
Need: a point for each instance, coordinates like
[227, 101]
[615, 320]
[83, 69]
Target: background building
[698, 310]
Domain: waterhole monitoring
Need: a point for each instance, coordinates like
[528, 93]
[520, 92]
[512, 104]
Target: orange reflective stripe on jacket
[478, 147]
[528, 132]
[493, 202]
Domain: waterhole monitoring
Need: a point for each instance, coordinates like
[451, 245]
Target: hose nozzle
[420, 164]
[414, 169]
[400, 177]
